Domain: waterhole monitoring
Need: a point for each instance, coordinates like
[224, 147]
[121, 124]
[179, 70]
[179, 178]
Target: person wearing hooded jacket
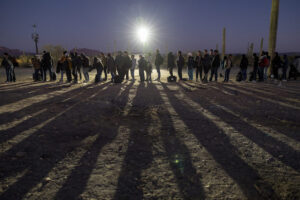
[8, 65]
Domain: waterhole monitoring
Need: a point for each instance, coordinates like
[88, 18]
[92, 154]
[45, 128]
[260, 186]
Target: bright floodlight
[143, 34]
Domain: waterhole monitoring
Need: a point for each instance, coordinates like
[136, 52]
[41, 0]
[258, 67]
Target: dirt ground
[158, 140]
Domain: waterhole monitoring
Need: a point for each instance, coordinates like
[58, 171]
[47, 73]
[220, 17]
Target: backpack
[97, 78]
[266, 62]
[117, 79]
[172, 79]
[239, 77]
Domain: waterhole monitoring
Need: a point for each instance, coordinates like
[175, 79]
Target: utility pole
[261, 46]
[35, 37]
[224, 43]
[273, 31]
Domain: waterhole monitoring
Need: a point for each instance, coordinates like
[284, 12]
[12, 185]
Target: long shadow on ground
[55, 141]
[219, 146]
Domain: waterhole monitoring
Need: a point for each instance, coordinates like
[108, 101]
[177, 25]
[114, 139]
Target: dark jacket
[126, 62]
[191, 62]
[5, 63]
[244, 63]
[276, 62]
[180, 62]
[206, 61]
[119, 61]
[199, 61]
[158, 60]
[216, 61]
[111, 65]
[142, 64]
[255, 62]
[98, 66]
[171, 60]
[46, 61]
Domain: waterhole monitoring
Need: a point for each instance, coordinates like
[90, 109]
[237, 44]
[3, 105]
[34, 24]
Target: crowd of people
[208, 66]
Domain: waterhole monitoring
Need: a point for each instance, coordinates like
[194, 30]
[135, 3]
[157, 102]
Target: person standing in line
[158, 62]
[37, 68]
[97, 64]
[180, 64]
[228, 64]
[119, 61]
[206, 65]
[190, 65]
[63, 65]
[133, 65]
[103, 60]
[268, 62]
[8, 65]
[47, 65]
[199, 66]
[126, 65]
[255, 67]
[244, 66]
[276, 65]
[171, 63]
[111, 67]
[142, 64]
[85, 67]
[214, 66]
[285, 66]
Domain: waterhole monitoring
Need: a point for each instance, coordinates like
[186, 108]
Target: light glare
[143, 34]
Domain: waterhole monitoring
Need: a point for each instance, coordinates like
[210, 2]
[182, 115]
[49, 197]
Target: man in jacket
[111, 67]
[214, 66]
[47, 65]
[199, 66]
[244, 65]
[171, 63]
[104, 64]
[255, 66]
[142, 64]
[206, 65]
[8, 65]
[126, 65]
[180, 64]
[119, 62]
[158, 62]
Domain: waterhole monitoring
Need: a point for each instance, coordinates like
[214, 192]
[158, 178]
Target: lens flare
[143, 34]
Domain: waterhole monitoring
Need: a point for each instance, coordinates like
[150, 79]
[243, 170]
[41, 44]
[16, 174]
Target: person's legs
[158, 72]
[7, 70]
[197, 72]
[212, 72]
[216, 74]
[201, 69]
[105, 73]
[190, 73]
[61, 76]
[265, 73]
[171, 71]
[179, 71]
[50, 74]
[44, 74]
[284, 69]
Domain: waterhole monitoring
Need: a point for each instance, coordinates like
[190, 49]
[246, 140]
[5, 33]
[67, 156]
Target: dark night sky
[181, 24]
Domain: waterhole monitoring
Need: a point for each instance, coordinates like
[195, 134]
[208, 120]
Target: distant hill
[13, 52]
[87, 52]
